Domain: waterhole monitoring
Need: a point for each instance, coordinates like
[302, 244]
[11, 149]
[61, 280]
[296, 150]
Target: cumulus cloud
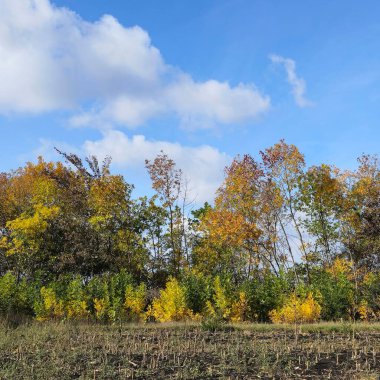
[298, 84]
[50, 58]
[202, 165]
[215, 101]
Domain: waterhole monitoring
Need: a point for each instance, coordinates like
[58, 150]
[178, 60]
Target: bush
[8, 291]
[240, 309]
[370, 294]
[16, 297]
[135, 302]
[171, 305]
[297, 310]
[337, 291]
[106, 296]
[213, 323]
[198, 290]
[75, 302]
[49, 306]
[265, 294]
[221, 300]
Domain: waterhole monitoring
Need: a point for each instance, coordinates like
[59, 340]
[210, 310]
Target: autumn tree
[77, 219]
[30, 208]
[360, 218]
[153, 221]
[167, 182]
[284, 165]
[109, 215]
[231, 227]
[321, 197]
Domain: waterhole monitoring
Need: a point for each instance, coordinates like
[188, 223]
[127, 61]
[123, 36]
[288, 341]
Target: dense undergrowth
[333, 295]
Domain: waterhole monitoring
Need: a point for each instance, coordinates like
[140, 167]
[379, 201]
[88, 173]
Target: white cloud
[202, 165]
[50, 58]
[298, 84]
[216, 101]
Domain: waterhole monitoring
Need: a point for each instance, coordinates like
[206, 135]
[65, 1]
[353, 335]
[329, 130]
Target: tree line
[278, 236]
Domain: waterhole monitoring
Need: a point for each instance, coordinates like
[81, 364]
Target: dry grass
[184, 351]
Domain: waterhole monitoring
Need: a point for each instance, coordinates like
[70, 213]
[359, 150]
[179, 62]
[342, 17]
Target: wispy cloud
[298, 84]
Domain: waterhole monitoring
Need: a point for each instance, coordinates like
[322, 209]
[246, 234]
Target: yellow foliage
[227, 227]
[50, 307]
[195, 317]
[341, 267]
[77, 309]
[221, 301]
[171, 305]
[365, 312]
[101, 308]
[239, 308]
[297, 310]
[26, 230]
[369, 278]
[210, 310]
[135, 301]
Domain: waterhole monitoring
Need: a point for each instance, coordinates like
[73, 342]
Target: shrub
[76, 305]
[171, 305]
[221, 305]
[118, 284]
[106, 296]
[265, 294]
[297, 310]
[198, 290]
[240, 308]
[135, 302]
[101, 307]
[49, 306]
[370, 293]
[16, 297]
[337, 291]
[8, 290]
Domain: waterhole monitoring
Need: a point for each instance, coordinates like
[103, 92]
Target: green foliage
[213, 323]
[265, 294]
[321, 200]
[8, 291]
[370, 291]
[75, 302]
[198, 290]
[222, 303]
[106, 296]
[337, 293]
[16, 297]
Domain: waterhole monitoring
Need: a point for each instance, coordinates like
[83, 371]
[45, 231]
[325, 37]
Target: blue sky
[202, 80]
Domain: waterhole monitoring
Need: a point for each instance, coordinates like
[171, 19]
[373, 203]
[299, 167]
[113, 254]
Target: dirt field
[69, 351]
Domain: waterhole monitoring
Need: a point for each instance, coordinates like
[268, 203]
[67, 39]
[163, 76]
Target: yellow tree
[113, 218]
[361, 214]
[167, 182]
[31, 205]
[321, 197]
[284, 165]
[231, 228]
